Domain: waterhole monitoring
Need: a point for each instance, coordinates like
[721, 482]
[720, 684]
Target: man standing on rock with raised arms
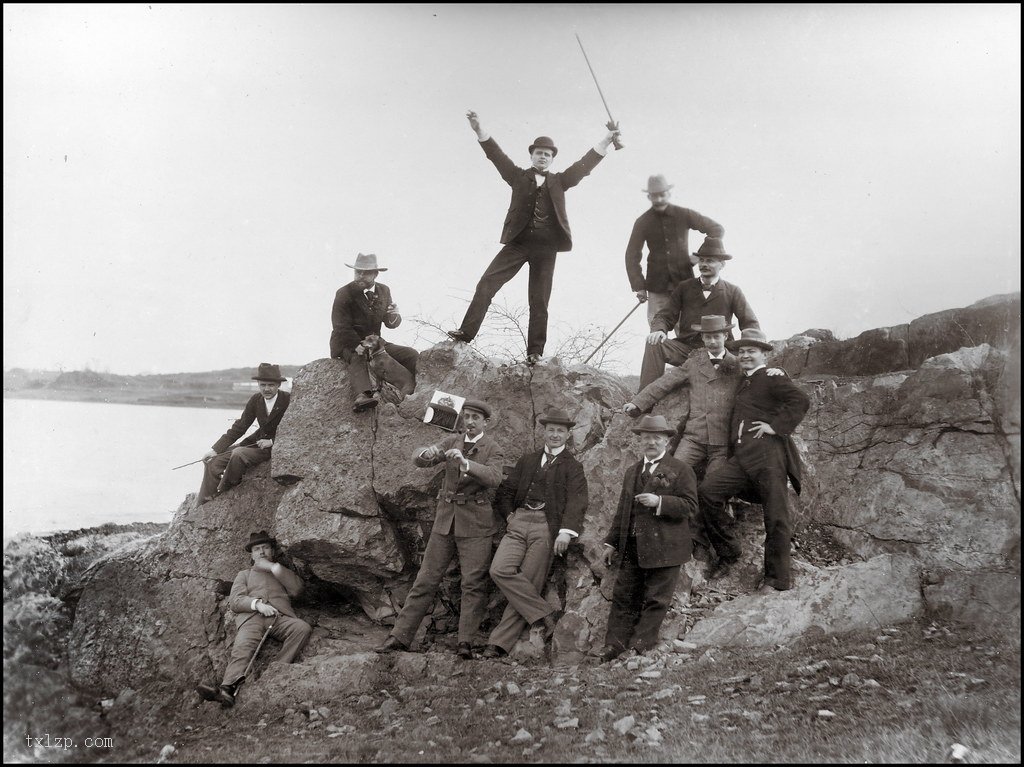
[536, 229]
[464, 523]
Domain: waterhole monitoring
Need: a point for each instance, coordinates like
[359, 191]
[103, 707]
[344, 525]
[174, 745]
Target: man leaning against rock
[464, 523]
[765, 412]
[544, 499]
[261, 598]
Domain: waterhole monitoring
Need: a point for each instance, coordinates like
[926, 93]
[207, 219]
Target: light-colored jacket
[464, 503]
[712, 392]
[251, 584]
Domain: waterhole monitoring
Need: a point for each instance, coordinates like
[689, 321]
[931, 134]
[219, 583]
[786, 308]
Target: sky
[185, 184]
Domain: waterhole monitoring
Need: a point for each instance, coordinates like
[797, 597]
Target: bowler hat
[750, 337]
[367, 263]
[268, 372]
[712, 323]
[712, 247]
[544, 142]
[657, 184]
[653, 423]
[479, 406]
[554, 415]
[261, 537]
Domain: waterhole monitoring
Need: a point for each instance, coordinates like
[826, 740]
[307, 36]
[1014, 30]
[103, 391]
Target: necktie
[716, 361]
[546, 459]
[648, 469]
[706, 288]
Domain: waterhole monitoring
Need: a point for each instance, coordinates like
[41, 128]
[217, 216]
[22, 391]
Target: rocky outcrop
[994, 321]
[912, 476]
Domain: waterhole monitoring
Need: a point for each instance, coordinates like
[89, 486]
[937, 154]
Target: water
[69, 465]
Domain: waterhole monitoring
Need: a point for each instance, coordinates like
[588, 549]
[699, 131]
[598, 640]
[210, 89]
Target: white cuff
[486, 136]
[573, 533]
[253, 605]
[657, 510]
[601, 151]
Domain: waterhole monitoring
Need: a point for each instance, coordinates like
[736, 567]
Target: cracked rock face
[920, 468]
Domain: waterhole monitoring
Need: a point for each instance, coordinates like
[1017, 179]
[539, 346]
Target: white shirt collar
[651, 461]
[474, 440]
[717, 356]
[551, 452]
[708, 286]
[751, 372]
[271, 402]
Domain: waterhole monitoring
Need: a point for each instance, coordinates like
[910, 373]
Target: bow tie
[706, 287]
[539, 172]
[716, 361]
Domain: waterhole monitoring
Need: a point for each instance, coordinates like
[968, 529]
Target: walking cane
[201, 460]
[258, 648]
[613, 332]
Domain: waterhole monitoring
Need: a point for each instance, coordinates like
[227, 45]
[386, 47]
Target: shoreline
[155, 397]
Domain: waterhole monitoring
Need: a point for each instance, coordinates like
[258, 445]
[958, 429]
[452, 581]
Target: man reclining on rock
[261, 598]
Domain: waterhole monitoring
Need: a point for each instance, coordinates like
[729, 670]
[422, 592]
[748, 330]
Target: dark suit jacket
[522, 181]
[353, 318]
[776, 400]
[251, 584]
[663, 537]
[566, 497]
[475, 517]
[687, 305]
[255, 410]
[668, 263]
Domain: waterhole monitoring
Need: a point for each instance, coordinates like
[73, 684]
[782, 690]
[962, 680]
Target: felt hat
[712, 247]
[712, 323]
[554, 415]
[657, 184]
[268, 372]
[544, 142]
[750, 337]
[653, 423]
[261, 537]
[367, 262]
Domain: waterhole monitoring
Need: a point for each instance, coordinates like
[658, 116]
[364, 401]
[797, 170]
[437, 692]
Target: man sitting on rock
[359, 310]
[464, 523]
[265, 407]
[650, 535]
[261, 598]
[765, 412]
[688, 302]
[544, 500]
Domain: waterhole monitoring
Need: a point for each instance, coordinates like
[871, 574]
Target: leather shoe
[392, 644]
[608, 654]
[363, 402]
[532, 359]
[224, 694]
[546, 625]
[458, 335]
[492, 651]
[465, 651]
[776, 583]
[720, 569]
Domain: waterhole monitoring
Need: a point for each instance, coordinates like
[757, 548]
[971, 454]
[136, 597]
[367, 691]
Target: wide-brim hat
[544, 142]
[255, 539]
[657, 184]
[477, 405]
[713, 323]
[653, 423]
[750, 337]
[554, 415]
[712, 247]
[268, 372]
[367, 262]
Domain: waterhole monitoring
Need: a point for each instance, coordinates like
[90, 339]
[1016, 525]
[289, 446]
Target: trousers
[520, 570]
[537, 251]
[293, 632]
[640, 600]
[232, 464]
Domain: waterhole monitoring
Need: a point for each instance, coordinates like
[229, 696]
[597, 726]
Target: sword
[612, 124]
